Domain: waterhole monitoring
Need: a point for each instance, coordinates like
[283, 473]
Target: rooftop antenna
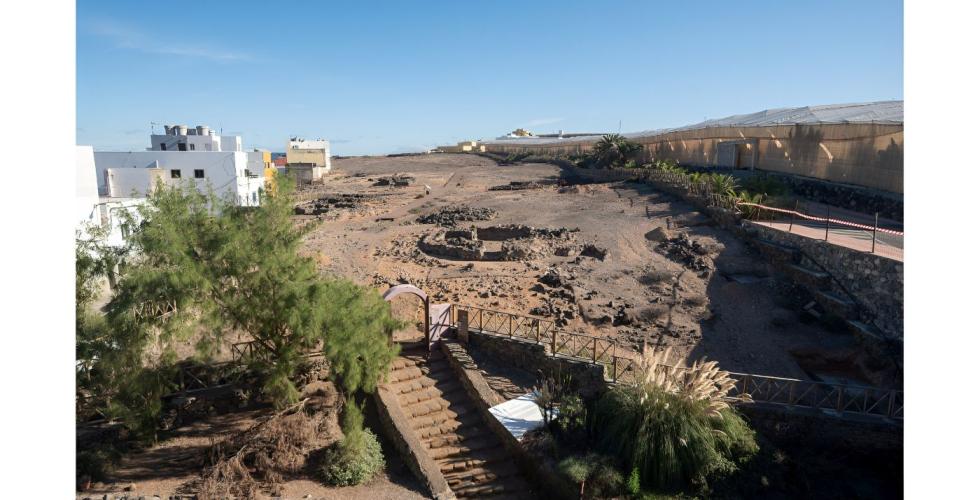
[620, 126]
[152, 129]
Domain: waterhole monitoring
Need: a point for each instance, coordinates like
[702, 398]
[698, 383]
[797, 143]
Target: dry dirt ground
[724, 305]
[173, 466]
[721, 301]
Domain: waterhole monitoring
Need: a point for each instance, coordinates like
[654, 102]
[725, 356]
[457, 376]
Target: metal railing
[622, 366]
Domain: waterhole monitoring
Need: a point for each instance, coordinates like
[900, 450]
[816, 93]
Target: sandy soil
[733, 312]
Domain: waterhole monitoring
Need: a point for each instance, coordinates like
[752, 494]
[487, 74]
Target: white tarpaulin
[519, 415]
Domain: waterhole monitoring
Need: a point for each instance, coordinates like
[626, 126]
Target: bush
[675, 426]
[357, 457]
[596, 475]
[353, 461]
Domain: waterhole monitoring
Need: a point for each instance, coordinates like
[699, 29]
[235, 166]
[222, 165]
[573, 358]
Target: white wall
[86, 183]
[221, 169]
[230, 142]
[132, 182]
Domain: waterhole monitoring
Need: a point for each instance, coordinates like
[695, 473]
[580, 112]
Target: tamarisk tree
[205, 271]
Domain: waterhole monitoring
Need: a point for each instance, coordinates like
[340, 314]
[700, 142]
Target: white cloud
[126, 37]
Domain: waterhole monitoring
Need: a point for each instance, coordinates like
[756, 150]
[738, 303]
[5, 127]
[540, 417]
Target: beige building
[462, 147]
[307, 160]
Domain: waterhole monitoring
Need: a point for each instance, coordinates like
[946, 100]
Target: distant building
[462, 147]
[178, 157]
[307, 160]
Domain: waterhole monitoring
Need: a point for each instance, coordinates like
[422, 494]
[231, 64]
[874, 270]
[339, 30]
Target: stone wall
[533, 358]
[877, 282]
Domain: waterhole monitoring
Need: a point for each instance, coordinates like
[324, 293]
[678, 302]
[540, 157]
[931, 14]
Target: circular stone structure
[500, 243]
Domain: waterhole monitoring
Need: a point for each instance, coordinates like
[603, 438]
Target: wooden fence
[622, 366]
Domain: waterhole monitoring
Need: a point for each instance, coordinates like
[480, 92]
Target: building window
[198, 174]
[163, 146]
[255, 198]
[181, 146]
[192, 147]
[175, 174]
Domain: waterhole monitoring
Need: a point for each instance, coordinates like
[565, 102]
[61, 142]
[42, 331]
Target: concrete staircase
[445, 419]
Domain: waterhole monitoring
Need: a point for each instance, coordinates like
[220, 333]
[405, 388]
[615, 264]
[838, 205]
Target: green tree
[614, 150]
[206, 271]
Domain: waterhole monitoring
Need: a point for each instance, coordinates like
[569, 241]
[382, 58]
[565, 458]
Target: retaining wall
[877, 282]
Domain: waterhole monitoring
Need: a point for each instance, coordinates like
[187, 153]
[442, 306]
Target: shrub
[675, 426]
[614, 150]
[357, 457]
[596, 475]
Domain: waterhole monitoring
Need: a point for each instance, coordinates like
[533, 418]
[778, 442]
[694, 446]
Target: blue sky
[384, 77]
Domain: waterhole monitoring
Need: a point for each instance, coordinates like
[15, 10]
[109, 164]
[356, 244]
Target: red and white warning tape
[822, 219]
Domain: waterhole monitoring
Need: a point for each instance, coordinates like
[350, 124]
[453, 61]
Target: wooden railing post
[554, 342]
[510, 325]
[595, 349]
[615, 368]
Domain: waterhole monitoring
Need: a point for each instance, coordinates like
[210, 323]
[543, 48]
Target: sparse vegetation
[202, 270]
[357, 457]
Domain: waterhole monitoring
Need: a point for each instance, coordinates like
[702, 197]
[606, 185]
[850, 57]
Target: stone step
[436, 414]
[416, 359]
[811, 276]
[777, 250]
[465, 448]
[433, 368]
[457, 436]
[455, 399]
[476, 475]
[430, 392]
[440, 417]
[411, 385]
[484, 459]
[508, 485]
[843, 306]
[450, 426]
[864, 330]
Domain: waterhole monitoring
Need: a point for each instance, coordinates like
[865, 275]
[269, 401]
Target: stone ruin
[451, 216]
[397, 180]
[325, 204]
[511, 242]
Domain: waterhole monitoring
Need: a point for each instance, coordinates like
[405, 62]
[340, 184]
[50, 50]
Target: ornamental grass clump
[675, 426]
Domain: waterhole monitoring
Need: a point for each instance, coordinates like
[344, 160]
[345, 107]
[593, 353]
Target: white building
[99, 211]
[307, 160]
[200, 138]
[179, 157]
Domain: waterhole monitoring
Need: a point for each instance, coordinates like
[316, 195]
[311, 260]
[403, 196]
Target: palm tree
[614, 150]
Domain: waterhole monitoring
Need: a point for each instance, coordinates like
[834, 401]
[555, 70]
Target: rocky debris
[451, 216]
[518, 185]
[331, 202]
[406, 250]
[590, 250]
[396, 180]
[556, 277]
[658, 234]
[573, 189]
[688, 253]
